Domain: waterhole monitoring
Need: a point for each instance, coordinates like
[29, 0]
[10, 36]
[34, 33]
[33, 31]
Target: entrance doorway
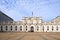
[32, 29]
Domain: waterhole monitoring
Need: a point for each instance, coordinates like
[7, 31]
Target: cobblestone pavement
[29, 36]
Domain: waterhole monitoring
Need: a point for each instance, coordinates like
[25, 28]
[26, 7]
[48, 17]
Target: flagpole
[32, 14]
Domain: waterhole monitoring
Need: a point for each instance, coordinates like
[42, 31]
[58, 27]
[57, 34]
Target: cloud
[18, 8]
[8, 3]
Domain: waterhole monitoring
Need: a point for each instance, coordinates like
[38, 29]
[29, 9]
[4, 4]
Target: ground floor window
[57, 28]
[6, 28]
[47, 27]
[16, 28]
[11, 28]
[43, 28]
[26, 28]
[52, 28]
[20, 28]
[1, 28]
[37, 28]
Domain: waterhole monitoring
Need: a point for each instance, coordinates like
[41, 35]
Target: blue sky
[16, 9]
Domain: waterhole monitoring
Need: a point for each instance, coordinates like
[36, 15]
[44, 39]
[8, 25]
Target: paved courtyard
[29, 36]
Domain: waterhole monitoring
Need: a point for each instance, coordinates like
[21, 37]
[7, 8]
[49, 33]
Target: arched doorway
[32, 29]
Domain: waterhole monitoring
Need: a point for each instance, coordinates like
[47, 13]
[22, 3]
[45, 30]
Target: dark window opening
[47, 27]
[26, 27]
[11, 28]
[43, 28]
[1, 28]
[57, 28]
[20, 28]
[6, 28]
[16, 28]
[52, 28]
[37, 28]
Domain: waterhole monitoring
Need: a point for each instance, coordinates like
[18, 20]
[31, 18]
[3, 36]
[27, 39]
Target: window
[6, 28]
[16, 28]
[1, 28]
[37, 28]
[20, 28]
[26, 28]
[47, 27]
[43, 28]
[11, 28]
[52, 28]
[57, 28]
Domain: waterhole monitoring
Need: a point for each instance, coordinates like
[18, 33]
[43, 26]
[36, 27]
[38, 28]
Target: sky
[16, 9]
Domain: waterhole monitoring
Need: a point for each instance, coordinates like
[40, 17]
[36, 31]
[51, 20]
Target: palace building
[31, 24]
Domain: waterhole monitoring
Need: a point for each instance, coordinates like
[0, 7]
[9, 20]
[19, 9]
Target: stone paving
[29, 36]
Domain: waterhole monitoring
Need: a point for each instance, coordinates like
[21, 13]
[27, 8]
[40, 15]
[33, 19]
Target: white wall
[35, 28]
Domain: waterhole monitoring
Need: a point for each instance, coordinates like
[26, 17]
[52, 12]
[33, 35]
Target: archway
[32, 29]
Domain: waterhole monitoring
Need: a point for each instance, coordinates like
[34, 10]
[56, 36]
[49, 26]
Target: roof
[4, 17]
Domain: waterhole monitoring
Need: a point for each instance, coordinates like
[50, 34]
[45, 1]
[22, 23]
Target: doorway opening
[32, 29]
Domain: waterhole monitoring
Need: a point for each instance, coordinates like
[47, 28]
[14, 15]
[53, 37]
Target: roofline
[6, 15]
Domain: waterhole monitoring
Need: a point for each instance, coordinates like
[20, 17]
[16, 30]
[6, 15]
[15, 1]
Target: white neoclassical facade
[31, 24]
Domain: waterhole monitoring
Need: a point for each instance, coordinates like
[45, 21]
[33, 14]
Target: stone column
[18, 28]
